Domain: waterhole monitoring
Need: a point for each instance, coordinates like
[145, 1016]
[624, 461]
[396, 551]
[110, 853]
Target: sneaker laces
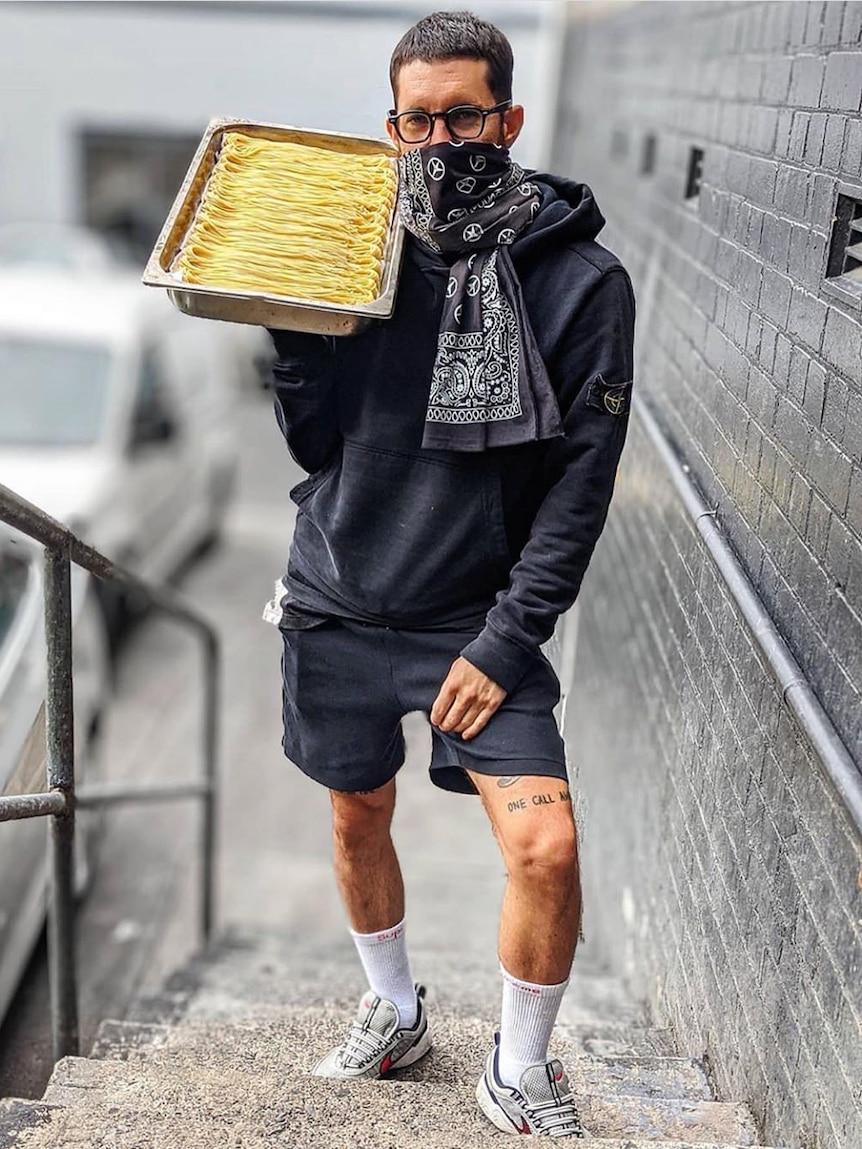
[371, 1032]
[362, 1045]
[548, 1101]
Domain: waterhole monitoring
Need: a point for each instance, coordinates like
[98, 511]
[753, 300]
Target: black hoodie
[495, 542]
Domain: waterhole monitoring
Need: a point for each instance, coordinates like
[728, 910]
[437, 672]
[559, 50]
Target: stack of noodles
[289, 219]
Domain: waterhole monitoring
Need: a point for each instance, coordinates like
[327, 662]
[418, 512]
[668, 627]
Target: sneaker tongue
[545, 1082]
[376, 1015]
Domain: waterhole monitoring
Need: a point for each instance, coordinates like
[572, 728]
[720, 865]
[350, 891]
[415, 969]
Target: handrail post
[60, 740]
[210, 803]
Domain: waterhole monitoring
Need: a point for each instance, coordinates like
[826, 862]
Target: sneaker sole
[494, 1111]
[498, 1116]
[413, 1054]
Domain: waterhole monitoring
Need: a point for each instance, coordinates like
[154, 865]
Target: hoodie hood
[569, 213]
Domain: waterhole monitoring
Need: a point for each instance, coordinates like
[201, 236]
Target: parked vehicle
[23, 871]
[116, 414]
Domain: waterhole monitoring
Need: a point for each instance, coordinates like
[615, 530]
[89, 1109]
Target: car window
[153, 398]
[52, 393]
[13, 583]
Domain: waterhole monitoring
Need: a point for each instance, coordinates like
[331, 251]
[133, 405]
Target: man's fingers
[466, 701]
[478, 724]
[455, 715]
[442, 703]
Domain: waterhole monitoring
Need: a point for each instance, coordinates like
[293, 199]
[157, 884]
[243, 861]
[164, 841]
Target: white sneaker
[543, 1103]
[376, 1044]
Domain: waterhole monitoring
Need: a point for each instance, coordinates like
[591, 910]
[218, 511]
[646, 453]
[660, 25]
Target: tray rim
[155, 275]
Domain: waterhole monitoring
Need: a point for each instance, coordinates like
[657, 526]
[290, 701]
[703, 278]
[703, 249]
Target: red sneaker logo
[558, 1076]
[524, 1127]
[385, 1064]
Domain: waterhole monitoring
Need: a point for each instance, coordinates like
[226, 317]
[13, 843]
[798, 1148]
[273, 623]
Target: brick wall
[727, 876]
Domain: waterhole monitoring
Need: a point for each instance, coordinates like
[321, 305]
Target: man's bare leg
[390, 1030]
[533, 822]
[366, 865]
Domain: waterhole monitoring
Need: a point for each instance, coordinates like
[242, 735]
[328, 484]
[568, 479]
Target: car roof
[112, 307]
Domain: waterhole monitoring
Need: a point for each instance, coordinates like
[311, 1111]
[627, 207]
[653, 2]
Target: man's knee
[361, 816]
[541, 851]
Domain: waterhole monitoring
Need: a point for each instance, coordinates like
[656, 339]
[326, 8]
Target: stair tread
[460, 1044]
[235, 1090]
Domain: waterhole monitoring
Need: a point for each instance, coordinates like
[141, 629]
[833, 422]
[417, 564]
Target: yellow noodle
[289, 219]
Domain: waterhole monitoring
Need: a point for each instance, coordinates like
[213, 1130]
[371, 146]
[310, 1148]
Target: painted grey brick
[814, 23]
[842, 345]
[814, 140]
[851, 28]
[761, 180]
[794, 382]
[776, 79]
[775, 292]
[835, 406]
[776, 32]
[815, 392]
[798, 25]
[806, 81]
[822, 201]
[842, 551]
[798, 136]
[853, 150]
[792, 185]
[842, 87]
[792, 429]
[830, 472]
[800, 499]
[853, 427]
[819, 518]
[854, 509]
[833, 18]
[833, 144]
[807, 317]
[783, 130]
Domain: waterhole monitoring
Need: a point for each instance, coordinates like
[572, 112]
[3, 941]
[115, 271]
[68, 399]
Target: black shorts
[347, 685]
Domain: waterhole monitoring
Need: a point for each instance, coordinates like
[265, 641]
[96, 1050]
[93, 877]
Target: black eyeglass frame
[433, 117]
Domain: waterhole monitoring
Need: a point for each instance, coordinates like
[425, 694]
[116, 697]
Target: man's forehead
[424, 77]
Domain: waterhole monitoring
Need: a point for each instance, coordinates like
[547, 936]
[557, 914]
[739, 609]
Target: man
[461, 458]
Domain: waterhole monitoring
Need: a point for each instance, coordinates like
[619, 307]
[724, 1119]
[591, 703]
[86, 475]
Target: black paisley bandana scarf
[489, 387]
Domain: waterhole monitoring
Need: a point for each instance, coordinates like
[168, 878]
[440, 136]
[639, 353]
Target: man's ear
[513, 121]
[393, 135]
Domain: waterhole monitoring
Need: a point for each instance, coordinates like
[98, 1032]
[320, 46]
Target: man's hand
[467, 700]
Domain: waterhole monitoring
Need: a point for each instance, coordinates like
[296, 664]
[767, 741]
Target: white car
[116, 413]
[23, 844]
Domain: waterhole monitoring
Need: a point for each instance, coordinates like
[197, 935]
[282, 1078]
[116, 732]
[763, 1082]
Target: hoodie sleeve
[594, 380]
[304, 386]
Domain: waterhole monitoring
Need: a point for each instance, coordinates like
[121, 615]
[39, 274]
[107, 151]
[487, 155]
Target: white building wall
[161, 67]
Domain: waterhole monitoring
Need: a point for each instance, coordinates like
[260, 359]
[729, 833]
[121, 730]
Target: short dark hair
[453, 36]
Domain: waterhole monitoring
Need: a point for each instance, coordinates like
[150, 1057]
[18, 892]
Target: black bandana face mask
[489, 386]
[465, 195]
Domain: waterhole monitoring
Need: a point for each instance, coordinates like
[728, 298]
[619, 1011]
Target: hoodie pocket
[403, 536]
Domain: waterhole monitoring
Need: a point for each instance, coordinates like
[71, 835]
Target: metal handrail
[62, 548]
[835, 759]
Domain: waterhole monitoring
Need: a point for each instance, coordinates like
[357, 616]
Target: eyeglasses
[464, 122]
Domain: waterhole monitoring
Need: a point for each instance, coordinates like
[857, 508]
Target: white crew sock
[387, 966]
[528, 1016]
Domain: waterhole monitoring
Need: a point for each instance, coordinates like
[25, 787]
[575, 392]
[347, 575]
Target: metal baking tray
[259, 308]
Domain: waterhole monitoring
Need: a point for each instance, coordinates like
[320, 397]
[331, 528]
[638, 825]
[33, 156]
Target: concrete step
[241, 977]
[17, 1115]
[235, 1094]
[292, 1044]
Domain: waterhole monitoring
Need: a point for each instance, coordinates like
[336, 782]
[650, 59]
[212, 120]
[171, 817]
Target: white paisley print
[475, 376]
[489, 386]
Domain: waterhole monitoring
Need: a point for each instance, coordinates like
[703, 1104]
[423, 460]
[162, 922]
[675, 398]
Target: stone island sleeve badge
[613, 399]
